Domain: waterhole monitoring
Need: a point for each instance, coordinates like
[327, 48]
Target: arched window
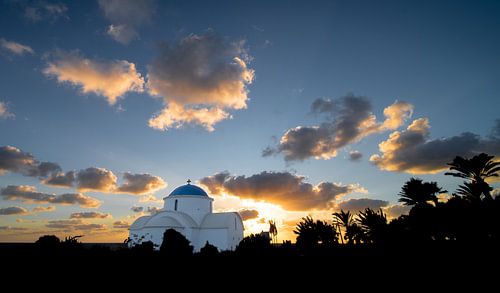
[175, 207]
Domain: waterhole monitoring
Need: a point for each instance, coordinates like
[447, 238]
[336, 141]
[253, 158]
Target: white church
[188, 210]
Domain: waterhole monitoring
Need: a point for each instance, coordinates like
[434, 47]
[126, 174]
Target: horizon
[277, 110]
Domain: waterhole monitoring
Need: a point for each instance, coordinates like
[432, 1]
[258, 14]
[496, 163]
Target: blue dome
[188, 189]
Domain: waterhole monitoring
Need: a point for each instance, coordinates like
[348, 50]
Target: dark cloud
[348, 120]
[248, 214]
[137, 209]
[96, 179]
[29, 194]
[41, 10]
[153, 210]
[121, 225]
[13, 211]
[141, 184]
[61, 179]
[412, 151]
[126, 17]
[215, 183]
[356, 205]
[355, 156]
[283, 188]
[199, 79]
[90, 215]
[15, 160]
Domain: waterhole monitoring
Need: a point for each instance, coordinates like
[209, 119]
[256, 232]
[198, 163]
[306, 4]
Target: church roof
[188, 189]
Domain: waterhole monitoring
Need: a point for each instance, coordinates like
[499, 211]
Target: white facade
[188, 210]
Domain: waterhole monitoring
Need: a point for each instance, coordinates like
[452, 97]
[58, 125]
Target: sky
[279, 109]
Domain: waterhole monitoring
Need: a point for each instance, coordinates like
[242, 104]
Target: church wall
[195, 206]
[216, 237]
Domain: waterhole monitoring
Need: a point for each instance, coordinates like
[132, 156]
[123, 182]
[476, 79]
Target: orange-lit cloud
[247, 214]
[27, 193]
[412, 151]
[121, 225]
[283, 188]
[15, 48]
[96, 179]
[199, 79]
[44, 209]
[349, 119]
[4, 111]
[110, 79]
[141, 184]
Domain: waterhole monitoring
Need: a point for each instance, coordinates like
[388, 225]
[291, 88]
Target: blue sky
[442, 57]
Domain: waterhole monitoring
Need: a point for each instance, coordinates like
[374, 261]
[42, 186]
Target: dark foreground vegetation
[460, 235]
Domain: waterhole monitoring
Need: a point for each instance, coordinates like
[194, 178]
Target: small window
[234, 223]
[175, 207]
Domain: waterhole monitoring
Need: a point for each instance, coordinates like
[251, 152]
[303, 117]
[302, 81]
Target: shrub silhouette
[209, 250]
[48, 243]
[254, 245]
[175, 244]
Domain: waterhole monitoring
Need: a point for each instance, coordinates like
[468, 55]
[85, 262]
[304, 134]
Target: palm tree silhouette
[415, 192]
[477, 170]
[343, 219]
[373, 223]
[313, 234]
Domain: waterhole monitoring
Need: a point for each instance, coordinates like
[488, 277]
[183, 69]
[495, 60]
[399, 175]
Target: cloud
[103, 180]
[355, 156]
[153, 210]
[137, 209]
[90, 215]
[15, 48]
[412, 151]
[14, 160]
[249, 214]
[96, 179]
[44, 209]
[355, 205]
[72, 225]
[282, 188]
[141, 184]
[348, 120]
[4, 111]
[121, 225]
[13, 211]
[396, 210]
[10, 228]
[126, 17]
[27, 193]
[42, 10]
[109, 79]
[200, 78]
[61, 179]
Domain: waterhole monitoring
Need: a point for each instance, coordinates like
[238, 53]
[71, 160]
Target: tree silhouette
[48, 243]
[374, 225]
[343, 219]
[477, 170]
[314, 234]
[175, 244]
[254, 245]
[415, 192]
